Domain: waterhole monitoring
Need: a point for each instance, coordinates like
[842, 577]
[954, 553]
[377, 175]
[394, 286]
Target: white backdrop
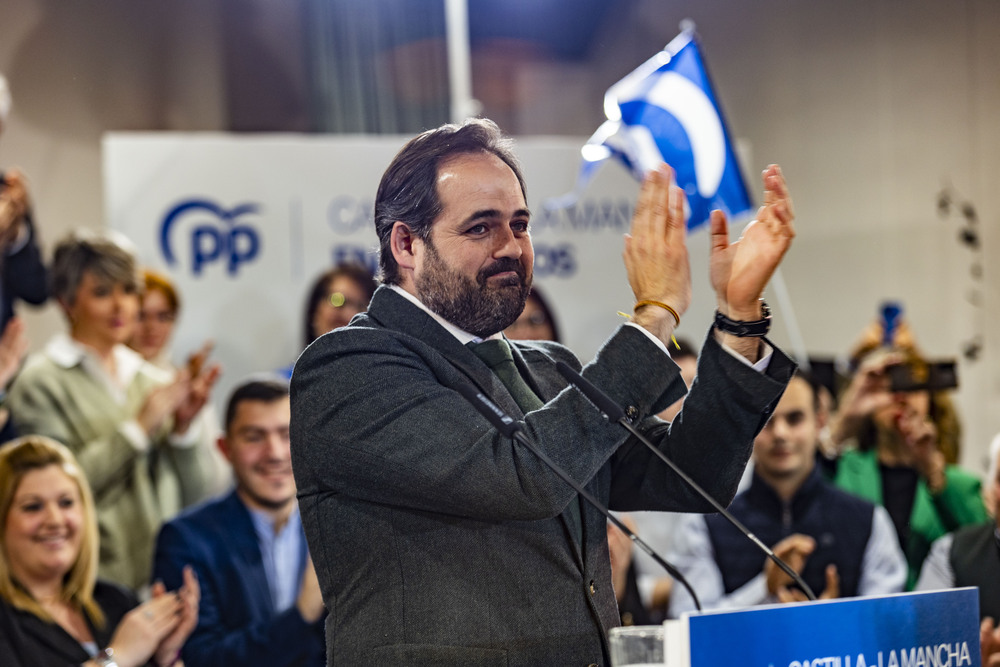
[266, 214]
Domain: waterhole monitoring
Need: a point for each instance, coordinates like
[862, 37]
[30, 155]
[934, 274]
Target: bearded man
[436, 539]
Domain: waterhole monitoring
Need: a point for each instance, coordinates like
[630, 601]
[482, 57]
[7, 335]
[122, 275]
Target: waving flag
[666, 111]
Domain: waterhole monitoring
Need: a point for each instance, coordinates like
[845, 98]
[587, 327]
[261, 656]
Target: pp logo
[216, 235]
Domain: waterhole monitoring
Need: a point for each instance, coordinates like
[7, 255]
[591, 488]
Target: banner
[244, 223]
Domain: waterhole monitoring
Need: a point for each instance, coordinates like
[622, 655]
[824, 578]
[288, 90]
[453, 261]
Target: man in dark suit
[260, 600]
[438, 541]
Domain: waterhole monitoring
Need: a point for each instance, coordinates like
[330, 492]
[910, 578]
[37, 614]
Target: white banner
[243, 224]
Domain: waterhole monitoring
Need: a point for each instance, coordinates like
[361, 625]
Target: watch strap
[747, 329]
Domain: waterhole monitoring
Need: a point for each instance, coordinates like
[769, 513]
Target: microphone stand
[614, 412]
[511, 429]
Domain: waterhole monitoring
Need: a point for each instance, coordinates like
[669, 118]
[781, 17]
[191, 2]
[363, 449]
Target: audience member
[868, 391]
[335, 297]
[22, 272]
[894, 457]
[13, 348]
[159, 307]
[623, 578]
[657, 528]
[969, 555]
[125, 420]
[841, 545]
[536, 322]
[53, 609]
[261, 601]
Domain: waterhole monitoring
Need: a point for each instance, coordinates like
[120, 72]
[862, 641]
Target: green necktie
[496, 354]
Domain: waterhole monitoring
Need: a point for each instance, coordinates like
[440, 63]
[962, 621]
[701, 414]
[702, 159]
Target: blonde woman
[53, 609]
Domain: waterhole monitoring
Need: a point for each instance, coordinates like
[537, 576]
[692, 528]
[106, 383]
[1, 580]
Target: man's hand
[741, 270]
[656, 256]
[310, 602]
[794, 550]
[989, 643]
[831, 592]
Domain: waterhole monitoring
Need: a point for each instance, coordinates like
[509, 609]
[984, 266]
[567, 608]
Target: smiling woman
[53, 610]
[127, 422]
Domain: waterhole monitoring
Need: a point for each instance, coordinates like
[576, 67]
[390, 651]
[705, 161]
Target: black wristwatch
[755, 329]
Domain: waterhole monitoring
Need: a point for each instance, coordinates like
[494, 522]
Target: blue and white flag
[666, 111]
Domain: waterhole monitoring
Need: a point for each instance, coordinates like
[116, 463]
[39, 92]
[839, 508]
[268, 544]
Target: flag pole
[791, 322]
[463, 104]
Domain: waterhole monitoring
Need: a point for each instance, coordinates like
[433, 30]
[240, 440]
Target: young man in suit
[438, 540]
[260, 601]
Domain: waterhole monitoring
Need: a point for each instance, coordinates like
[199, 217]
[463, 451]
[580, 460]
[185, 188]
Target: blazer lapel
[241, 542]
[393, 311]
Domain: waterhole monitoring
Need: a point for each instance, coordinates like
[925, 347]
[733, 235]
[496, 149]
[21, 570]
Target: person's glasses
[536, 319]
[163, 317]
[338, 300]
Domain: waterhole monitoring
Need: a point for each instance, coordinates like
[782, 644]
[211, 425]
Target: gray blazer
[436, 540]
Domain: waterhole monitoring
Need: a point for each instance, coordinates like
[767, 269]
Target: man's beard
[475, 306]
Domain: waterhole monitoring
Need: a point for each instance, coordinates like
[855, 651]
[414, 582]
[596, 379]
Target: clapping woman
[53, 610]
[126, 421]
[159, 309]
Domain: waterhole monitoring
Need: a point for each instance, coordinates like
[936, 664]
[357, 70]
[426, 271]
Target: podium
[926, 629]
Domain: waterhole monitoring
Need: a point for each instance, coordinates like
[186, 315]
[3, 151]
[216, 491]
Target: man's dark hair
[264, 389]
[408, 190]
[814, 387]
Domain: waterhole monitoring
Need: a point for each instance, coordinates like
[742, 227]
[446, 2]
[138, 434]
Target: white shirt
[883, 568]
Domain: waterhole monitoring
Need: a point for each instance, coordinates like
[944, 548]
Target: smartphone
[890, 314]
[934, 376]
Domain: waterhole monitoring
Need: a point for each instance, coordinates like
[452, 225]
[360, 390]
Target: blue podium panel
[928, 629]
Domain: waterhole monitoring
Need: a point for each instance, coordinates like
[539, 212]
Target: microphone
[510, 428]
[614, 412]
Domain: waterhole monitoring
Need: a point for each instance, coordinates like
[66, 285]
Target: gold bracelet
[650, 302]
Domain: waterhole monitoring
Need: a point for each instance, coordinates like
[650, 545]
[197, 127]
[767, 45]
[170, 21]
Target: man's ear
[402, 241]
[223, 446]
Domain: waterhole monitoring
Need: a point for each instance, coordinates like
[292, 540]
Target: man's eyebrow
[492, 214]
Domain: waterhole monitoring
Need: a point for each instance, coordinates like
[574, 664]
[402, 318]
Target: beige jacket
[137, 481]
